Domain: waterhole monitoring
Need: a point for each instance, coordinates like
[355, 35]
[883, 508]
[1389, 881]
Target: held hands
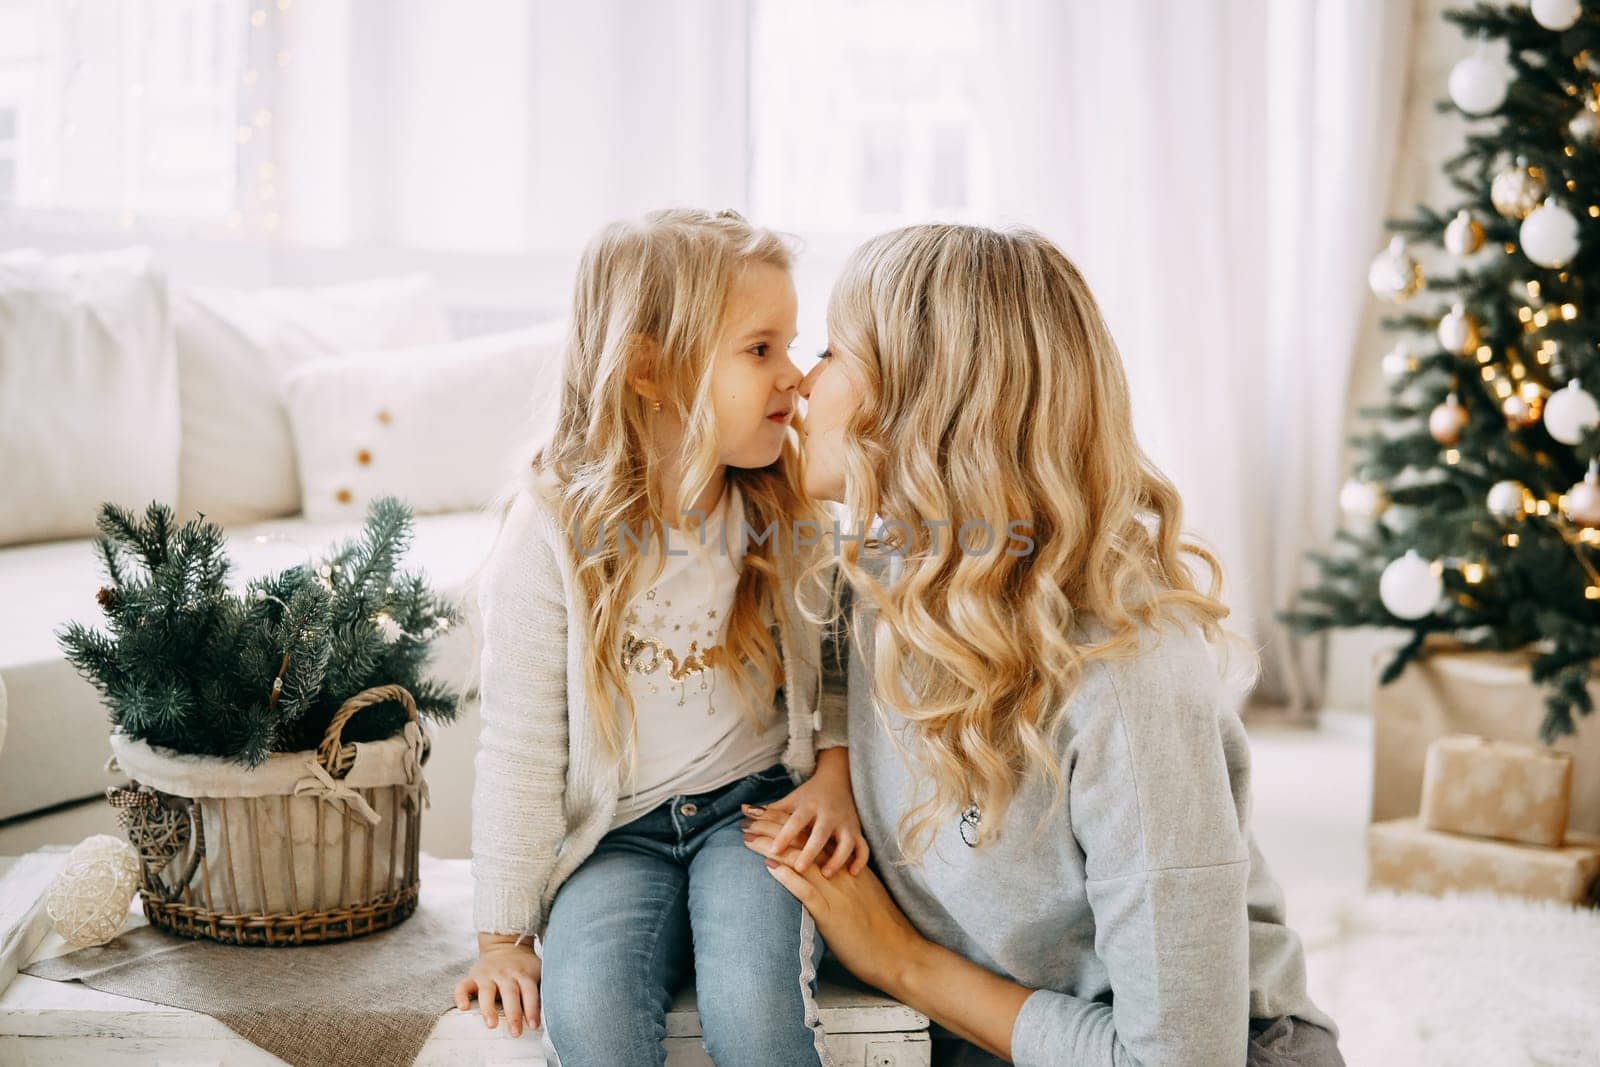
[511, 970]
[855, 915]
[824, 803]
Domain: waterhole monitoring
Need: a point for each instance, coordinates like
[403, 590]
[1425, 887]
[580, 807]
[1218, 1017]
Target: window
[122, 107]
[865, 114]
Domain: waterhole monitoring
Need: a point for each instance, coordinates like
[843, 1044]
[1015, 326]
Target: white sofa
[55, 748]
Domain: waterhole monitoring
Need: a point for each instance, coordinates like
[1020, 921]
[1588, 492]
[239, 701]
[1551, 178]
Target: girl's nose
[789, 376]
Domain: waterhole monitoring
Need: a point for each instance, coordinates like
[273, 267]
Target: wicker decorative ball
[89, 899]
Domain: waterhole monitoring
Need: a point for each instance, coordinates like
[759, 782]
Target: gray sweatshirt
[1140, 910]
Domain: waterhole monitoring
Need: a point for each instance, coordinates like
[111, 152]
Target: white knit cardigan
[544, 793]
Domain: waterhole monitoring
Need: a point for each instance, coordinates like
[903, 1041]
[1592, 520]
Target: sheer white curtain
[1219, 170]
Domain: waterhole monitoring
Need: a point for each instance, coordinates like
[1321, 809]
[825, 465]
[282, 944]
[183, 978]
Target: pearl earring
[656, 406]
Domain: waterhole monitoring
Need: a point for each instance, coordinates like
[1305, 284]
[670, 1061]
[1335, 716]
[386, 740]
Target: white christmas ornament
[1556, 14]
[1464, 235]
[1408, 587]
[1398, 362]
[1584, 127]
[89, 899]
[1458, 331]
[1582, 502]
[1508, 500]
[1550, 235]
[1517, 190]
[1361, 502]
[1447, 421]
[1570, 413]
[1478, 84]
[1394, 274]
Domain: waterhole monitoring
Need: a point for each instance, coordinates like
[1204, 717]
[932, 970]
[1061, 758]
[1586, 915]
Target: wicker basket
[311, 847]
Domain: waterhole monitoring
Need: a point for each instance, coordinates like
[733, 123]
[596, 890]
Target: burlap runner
[373, 1000]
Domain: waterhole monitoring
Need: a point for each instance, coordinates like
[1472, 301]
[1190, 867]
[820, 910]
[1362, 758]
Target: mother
[1053, 787]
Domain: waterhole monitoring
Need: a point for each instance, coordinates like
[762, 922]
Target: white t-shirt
[694, 735]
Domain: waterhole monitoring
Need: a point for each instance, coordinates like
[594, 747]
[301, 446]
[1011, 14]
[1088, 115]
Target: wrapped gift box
[1475, 785]
[1459, 692]
[1404, 855]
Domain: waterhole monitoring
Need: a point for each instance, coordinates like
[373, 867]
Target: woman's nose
[809, 380]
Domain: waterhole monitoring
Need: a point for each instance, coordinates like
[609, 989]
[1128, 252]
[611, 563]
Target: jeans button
[688, 810]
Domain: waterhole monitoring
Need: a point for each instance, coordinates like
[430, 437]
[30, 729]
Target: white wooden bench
[47, 1023]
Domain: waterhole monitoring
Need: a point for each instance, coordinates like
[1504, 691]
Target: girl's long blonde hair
[663, 282]
[992, 394]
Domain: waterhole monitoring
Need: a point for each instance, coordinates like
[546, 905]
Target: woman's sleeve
[518, 817]
[1156, 799]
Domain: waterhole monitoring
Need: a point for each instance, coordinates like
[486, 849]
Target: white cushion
[439, 426]
[56, 744]
[234, 347]
[88, 391]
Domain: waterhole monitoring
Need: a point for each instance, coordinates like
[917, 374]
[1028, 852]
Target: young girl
[1046, 763]
[646, 670]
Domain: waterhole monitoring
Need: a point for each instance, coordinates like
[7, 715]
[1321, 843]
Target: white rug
[1469, 979]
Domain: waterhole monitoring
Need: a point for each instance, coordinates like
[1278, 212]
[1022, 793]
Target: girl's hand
[512, 971]
[857, 918]
[825, 803]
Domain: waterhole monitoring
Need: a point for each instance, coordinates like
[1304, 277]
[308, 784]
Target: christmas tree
[1474, 506]
[190, 665]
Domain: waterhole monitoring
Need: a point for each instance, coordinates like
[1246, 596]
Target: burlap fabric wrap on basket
[308, 847]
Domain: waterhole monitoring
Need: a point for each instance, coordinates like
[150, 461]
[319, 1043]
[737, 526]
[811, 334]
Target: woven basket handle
[331, 750]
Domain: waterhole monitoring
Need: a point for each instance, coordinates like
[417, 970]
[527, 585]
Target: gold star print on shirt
[646, 655]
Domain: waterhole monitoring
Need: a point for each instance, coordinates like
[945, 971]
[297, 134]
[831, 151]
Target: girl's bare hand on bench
[510, 971]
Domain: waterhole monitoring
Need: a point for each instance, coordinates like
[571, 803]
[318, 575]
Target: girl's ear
[643, 354]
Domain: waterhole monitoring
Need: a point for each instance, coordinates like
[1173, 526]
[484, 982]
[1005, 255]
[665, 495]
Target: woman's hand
[513, 971]
[861, 924]
[825, 803]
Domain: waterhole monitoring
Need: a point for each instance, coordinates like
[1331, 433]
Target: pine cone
[108, 598]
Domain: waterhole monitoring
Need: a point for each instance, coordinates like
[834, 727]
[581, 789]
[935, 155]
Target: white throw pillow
[439, 426]
[88, 390]
[234, 348]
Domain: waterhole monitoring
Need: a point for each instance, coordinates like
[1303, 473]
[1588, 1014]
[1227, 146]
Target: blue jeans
[622, 926]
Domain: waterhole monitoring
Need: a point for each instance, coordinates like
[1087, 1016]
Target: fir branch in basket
[189, 664]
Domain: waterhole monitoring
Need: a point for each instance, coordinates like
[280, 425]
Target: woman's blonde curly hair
[992, 393]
